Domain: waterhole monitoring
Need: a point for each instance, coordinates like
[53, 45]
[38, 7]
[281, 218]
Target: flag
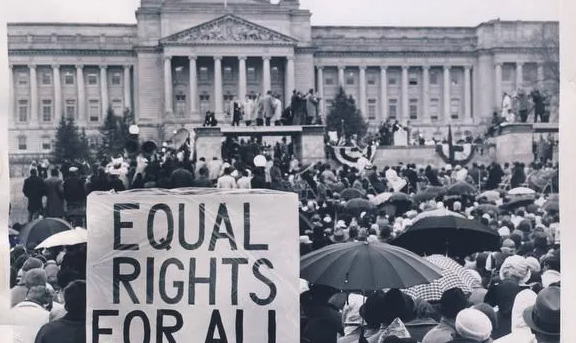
[450, 145]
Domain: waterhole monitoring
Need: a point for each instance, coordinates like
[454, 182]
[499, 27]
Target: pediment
[228, 29]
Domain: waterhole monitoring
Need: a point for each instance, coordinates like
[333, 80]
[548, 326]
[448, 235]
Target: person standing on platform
[268, 103]
[34, 190]
[523, 106]
[311, 105]
[277, 110]
[54, 195]
[248, 109]
[236, 112]
[259, 110]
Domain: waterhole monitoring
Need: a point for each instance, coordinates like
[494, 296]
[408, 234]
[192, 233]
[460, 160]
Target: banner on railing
[351, 155]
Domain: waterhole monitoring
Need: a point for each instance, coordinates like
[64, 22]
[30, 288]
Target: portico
[207, 66]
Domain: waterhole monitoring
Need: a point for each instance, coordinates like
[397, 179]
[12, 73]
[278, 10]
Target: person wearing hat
[34, 189]
[33, 277]
[398, 308]
[370, 313]
[472, 326]
[18, 293]
[543, 318]
[451, 303]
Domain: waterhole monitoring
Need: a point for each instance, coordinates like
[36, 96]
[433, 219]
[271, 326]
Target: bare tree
[546, 42]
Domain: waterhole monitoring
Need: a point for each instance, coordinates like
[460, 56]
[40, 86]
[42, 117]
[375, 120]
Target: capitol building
[186, 57]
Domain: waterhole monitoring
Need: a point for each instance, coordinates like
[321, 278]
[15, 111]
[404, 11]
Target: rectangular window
[413, 107]
[46, 144]
[94, 110]
[507, 73]
[275, 74]
[350, 78]
[68, 78]
[22, 143]
[413, 79]
[116, 79]
[372, 109]
[392, 80]
[454, 108]
[46, 110]
[251, 74]
[392, 108]
[22, 110]
[454, 77]
[71, 108]
[228, 74]
[117, 107]
[46, 79]
[371, 77]
[433, 77]
[434, 108]
[22, 78]
[329, 81]
[92, 79]
[203, 74]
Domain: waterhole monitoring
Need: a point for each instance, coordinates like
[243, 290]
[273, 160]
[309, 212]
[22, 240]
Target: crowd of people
[516, 107]
[268, 110]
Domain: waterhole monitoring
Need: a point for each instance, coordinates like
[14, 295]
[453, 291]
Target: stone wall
[514, 144]
[150, 87]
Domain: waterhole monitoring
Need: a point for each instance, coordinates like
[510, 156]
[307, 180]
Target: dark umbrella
[401, 202]
[461, 188]
[516, 203]
[40, 229]
[486, 208]
[440, 233]
[363, 266]
[431, 192]
[358, 206]
[351, 193]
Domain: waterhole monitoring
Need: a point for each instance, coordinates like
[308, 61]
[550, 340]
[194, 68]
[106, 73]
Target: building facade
[185, 57]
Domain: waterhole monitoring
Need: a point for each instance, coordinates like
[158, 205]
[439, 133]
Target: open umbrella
[461, 188]
[453, 276]
[68, 237]
[358, 206]
[381, 198]
[40, 229]
[521, 191]
[521, 201]
[363, 266]
[439, 233]
[486, 208]
[491, 196]
[351, 193]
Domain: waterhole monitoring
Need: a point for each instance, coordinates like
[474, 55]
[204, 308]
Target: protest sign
[196, 266]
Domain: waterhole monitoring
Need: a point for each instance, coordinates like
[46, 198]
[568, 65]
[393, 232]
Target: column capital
[519, 64]
[290, 58]
[498, 64]
[127, 66]
[467, 67]
[103, 67]
[79, 66]
[405, 67]
[266, 58]
[362, 67]
[341, 67]
[383, 68]
[32, 66]
[320, 67]
[242, 58]
[167, 57]
[447, 67]
[11, 65]
[192, 57]
[426, 67]
[217, 58]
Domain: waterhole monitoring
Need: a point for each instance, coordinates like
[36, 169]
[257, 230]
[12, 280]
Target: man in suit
[34, 190]
[269, 107]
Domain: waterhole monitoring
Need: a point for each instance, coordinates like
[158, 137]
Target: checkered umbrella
[453, 276]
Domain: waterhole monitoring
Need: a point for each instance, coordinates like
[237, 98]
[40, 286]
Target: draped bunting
[463, 153]
[350, 155]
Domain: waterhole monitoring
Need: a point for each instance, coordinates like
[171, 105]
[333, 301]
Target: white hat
[473, 324]
[504, 231]
[486, 216]
[73, 169]
[517, 266]
[305, 240]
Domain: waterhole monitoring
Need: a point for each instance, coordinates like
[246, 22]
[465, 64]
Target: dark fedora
[544, 316]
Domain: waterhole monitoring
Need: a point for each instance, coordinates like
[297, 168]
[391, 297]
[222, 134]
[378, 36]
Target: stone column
[540, 73]
[290, 79]
[11, 101]
[519, 75]
[320, 89]
[467, 93]
[33, 95]
[498, 85]
[341, 76]
[242, 83]
[193, 84]
[266, 82]
[405, 113]
[81, 94]
[218, 97]
[363, 101]
[383, 93]
[57, 92]
[104, 90]
[426, 93]
[127, 86]
[446, 95]
[168, 85]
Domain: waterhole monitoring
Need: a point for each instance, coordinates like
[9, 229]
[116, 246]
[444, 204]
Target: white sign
[194, 267]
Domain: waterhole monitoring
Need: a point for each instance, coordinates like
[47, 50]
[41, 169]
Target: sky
[324, 12]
